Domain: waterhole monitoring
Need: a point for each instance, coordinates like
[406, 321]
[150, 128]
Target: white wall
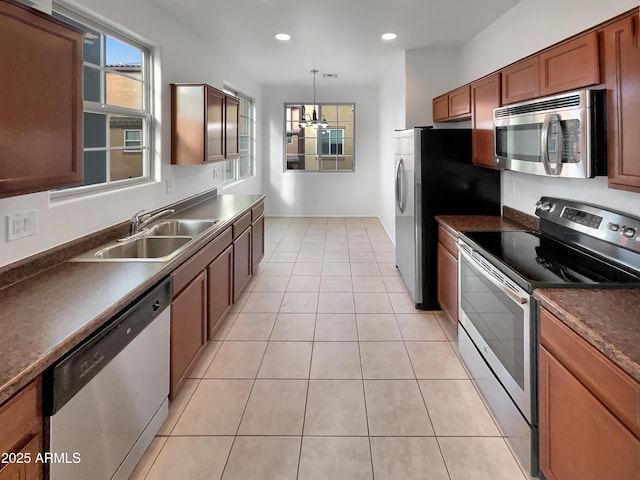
[530, 26]
[392, 103]
[321, 194]
[182, 58]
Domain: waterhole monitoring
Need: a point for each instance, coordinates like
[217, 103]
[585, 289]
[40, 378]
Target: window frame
[146, 114]
[319, 154]
[234, 163]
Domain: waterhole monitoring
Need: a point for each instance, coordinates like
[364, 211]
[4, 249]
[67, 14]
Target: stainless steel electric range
[579, 246]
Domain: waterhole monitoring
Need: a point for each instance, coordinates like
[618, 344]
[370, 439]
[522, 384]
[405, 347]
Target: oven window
[498, 319]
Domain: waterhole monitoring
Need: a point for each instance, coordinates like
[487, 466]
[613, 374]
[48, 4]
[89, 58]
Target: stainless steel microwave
[559, 136]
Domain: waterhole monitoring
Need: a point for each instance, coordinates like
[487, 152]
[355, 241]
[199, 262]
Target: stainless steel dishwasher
[108, 397]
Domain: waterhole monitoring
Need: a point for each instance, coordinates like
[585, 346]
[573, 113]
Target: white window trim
[147, 114]
[252, 140]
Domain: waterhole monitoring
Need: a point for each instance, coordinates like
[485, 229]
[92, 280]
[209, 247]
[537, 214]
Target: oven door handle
[491, 276]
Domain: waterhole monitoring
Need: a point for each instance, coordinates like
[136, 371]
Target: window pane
[244, 167]
[329, 163]
[228, 170]
[91, 84]
[119, 53]
[345, 113]
[125, 164]
[95, 130]
[90, 41]
[95, 167]
[120, 127]
[347, 146]
[330, 112]
[345, 163]
[310, 162]
[124, 91]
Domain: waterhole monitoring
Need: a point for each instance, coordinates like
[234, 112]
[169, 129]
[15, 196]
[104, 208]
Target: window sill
[88, 191]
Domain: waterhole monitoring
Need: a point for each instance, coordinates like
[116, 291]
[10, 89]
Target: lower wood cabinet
[188, 330]
[448, 275]
[588, 409]
[241, 262]
[220, 278]
[257, 243]
[21, 434]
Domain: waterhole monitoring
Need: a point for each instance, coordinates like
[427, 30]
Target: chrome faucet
[138, 223]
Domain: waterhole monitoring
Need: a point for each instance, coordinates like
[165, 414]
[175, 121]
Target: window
[320, 149]
[116, 112]
[243, 166]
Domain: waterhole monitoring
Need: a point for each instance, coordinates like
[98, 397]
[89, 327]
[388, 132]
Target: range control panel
[609, 225]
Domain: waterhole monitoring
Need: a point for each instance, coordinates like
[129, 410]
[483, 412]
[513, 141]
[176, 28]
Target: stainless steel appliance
[559, 136]
[578, 245]
[108, 397]
[434, 176]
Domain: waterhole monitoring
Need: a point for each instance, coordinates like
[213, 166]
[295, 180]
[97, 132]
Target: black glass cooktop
[540, 261]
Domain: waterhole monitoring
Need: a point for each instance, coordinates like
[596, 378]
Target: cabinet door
[41, 113]
[241, 262]
[448, 284]
[220, 289]
[572, 65]
[485, 96]
[579, 438]
[257, 243]
[441, 108]
[188, 124]
[188, 330]
[231, 127]
[520, 81]
[30, 470]
[215, 125]
[460, 101]
[621, 51]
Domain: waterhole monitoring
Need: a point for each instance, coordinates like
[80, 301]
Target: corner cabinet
[589, 420]
[448, 275]
[22, 434]
[485, 96]
[41, 119]
[204, 124]
[620, 45]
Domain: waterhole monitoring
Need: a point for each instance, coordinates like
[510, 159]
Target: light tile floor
[324, 370]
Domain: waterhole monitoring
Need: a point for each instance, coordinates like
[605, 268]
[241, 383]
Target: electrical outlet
[169, 183]
[21, 225]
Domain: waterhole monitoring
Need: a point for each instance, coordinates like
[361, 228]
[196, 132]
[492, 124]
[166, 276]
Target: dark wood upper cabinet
[619, 43]
[440, 107]
[41, 119]
[204, 124]
[460, 101]
[520, 81]
[485, 96]
[232, 112]
[571, 65]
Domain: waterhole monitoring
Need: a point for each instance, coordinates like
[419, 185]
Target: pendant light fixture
[312, 121]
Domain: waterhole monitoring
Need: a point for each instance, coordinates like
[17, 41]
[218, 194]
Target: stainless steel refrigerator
[435, 176]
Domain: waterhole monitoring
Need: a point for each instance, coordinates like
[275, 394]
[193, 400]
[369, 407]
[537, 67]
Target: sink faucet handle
[135, 222]
[136, 216]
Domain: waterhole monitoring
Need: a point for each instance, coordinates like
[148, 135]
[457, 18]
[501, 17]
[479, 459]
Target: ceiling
[333, 36]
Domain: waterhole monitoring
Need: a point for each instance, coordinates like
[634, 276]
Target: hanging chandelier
[312, 120]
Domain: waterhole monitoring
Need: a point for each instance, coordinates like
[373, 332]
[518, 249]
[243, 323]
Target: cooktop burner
[539, 260]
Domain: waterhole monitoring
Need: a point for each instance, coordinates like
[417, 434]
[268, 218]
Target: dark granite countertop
[609, 319]
[46, 315]
[478, 223]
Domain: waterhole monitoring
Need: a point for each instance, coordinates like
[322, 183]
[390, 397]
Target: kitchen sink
[181, 228]
[155, 248]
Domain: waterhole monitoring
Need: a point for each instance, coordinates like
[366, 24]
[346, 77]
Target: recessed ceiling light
[389, 36]
[283, 37]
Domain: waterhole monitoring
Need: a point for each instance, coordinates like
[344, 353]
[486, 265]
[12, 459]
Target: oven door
[553, 143]
[496, 315]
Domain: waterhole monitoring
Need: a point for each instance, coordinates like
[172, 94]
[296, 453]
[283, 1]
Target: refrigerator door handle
[400, 200]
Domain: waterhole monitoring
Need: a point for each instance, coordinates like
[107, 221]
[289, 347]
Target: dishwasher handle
[67, 376]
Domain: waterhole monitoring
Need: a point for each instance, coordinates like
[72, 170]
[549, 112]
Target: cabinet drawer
[189, 269]
[448, 240]
[613, 387]
[241, 224]
[257, 211]
[21, 418]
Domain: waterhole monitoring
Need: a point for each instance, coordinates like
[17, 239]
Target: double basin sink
[160, 243]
